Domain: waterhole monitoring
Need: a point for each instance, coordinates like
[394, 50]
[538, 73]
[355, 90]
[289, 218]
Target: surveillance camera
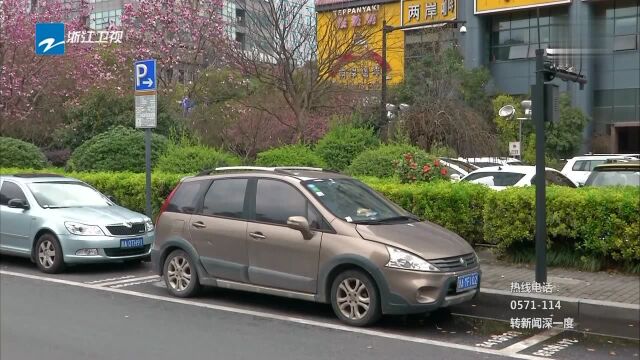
[463, 29]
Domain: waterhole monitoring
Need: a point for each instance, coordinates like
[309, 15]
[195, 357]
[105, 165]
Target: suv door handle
[199, 225]
[257, 235]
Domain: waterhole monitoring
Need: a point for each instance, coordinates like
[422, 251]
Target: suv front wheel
[180, 275]
[355, 299]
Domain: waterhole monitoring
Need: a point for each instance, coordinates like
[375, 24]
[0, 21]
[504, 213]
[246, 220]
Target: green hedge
[290, 155]
[14, 152]
[594, 224]
[379, 161]
[193, 159]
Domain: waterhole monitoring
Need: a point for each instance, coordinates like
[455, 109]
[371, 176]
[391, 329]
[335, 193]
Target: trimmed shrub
[193, 159]
[119, 149]
[342, 144]
[18, 153]
[290, 155]
[378, 162]
[600, 223]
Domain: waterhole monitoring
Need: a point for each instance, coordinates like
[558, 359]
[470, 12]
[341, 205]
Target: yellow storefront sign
[360, 65]
[418, 12]
[350, 43]
[492, 6]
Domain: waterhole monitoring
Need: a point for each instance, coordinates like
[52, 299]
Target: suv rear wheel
[355, 299]
[180, 275]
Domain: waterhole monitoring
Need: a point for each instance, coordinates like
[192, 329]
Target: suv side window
[276, 201]
[580, 165]
[225, 198]
[10, 191]
[186, 198]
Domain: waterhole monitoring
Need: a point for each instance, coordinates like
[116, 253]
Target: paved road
[118, 311]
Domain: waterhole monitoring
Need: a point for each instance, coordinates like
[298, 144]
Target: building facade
[597, 38]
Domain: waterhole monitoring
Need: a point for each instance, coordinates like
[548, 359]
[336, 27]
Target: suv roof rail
[259, 168]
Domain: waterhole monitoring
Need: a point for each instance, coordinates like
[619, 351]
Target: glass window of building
[617, 25]
[517, 35]
[101, 20]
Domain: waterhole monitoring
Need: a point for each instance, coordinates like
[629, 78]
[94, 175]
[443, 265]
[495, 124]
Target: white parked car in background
[579, 168]
[491, 161]
[457, 169]
[501, 177]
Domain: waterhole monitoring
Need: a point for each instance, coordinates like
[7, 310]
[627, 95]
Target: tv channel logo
[49, 39]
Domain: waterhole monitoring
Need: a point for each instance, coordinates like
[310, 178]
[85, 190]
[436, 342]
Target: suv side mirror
[301, 224]
[18, 204]
[455, 177]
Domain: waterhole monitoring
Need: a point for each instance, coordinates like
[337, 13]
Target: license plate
[466, 282]
[131, 243]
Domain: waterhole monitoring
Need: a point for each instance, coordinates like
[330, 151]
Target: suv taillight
[166, 202]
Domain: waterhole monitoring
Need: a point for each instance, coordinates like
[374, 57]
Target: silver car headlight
[148, 225]
[83, 229]
[400, 259]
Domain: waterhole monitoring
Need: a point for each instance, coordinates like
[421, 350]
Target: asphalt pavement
[124, 311]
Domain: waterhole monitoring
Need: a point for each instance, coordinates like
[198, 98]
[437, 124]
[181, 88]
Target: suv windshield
[354, 202]
[614, 178]
[66, 194]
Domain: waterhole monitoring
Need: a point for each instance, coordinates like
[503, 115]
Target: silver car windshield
[354, 202]
[66, 194]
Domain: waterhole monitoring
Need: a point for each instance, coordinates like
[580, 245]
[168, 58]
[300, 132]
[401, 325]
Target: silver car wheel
[353, 298]
[179, 273]
[46, 254]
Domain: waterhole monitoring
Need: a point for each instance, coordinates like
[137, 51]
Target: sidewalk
[600, 286]
[600, 302]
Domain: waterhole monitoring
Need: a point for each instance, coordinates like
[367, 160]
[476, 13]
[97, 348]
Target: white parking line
[132, 279]
[110, 279]
[133, 283]
[533, 340]
[266, 315]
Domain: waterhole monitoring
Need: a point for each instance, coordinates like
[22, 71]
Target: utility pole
[541, 204]
[543, 112]
[383, 87]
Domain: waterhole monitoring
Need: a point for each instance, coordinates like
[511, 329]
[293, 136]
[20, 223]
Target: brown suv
[309, 234]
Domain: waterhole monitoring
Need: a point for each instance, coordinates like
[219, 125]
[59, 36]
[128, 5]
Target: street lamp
[507, 112]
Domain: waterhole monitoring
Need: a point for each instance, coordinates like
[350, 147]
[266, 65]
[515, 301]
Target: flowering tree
[181, 35]
[26, 79]
[297, 59]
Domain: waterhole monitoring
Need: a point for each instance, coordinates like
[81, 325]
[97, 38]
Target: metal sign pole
[147, 160]
[146, 115]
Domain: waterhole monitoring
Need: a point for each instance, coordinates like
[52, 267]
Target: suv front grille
[135, 229]
[454, 264]
[117, 252]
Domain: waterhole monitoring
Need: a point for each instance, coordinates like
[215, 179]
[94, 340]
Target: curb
[593, 316]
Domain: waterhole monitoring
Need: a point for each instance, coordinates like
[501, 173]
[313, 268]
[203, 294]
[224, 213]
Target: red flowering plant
[412, 168]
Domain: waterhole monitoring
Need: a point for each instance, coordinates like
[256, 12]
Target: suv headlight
[148, 225]
[400, 259]
[83, 229]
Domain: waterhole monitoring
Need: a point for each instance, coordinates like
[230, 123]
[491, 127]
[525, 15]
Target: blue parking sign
[145, 75]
